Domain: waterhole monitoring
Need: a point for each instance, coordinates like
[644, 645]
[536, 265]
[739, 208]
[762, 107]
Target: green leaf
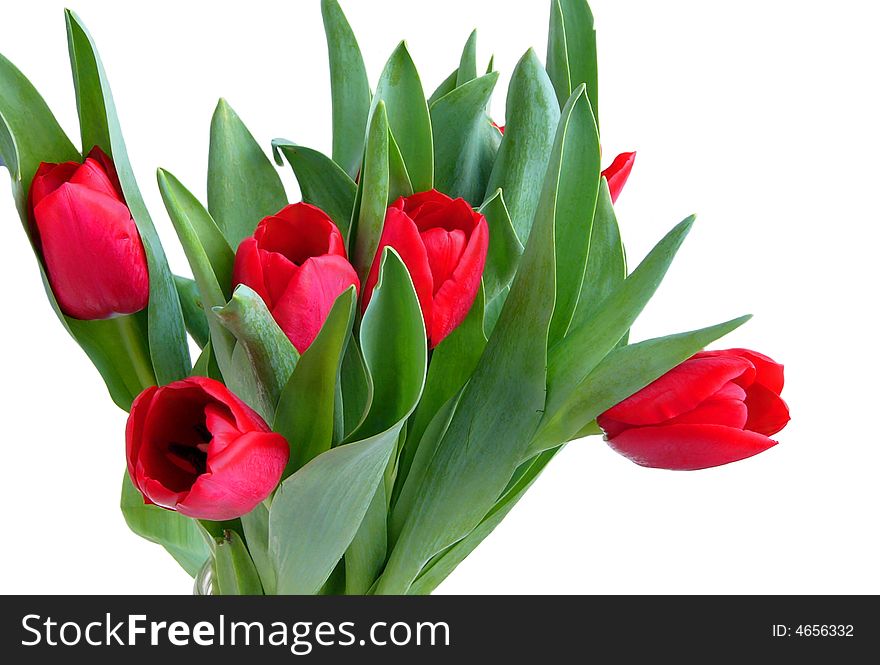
[573, 358]
[532, 118]
[504, 247]
[467, 68]
[100, 126]
[305, 413]
[356, 389]
[193, 312]
[622, 373]
[401, 90]
[365, 556]
[464, 139]
[255, 526]
[399, 183]
[448, 85]
[234, 570]
[373, 195]
[606, 264]
[350, 89]
[243, 184]
[270, 352]
[580, 36]
[206, 365]
[557, 55]
[576, 189]
[440, 567]
[452, 363]
[392, 339]
[187, 215]
[498, 413]
[322, 182]
[178, 534]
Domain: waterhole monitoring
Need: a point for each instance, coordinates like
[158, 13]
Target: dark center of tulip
[192, 457]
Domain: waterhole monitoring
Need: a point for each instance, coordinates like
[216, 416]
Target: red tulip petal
[456, 295]
[401, 233]
[770, 373]
[246, 419]
[93, 253]
[161, 495]
[727, 412]
[618, 173]
[768, 413]
[444, 250]
[91, 175]
[241, 476]
[423, 202]
[109, 168]
[678, 391]
[456, 214]
[278, 272]
[48, 178]
[300, 232]
[248, 270]
[222, 426]
[688, 447]
[310, 296]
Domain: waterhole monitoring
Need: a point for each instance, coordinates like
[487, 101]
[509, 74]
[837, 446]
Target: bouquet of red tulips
[386, 366]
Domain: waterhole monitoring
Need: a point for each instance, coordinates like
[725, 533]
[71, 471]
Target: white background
[760, 117]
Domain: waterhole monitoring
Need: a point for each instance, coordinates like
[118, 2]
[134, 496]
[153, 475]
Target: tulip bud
[89, 243]
[715, 408]
[443, 243]
[296, 262]
[194, 447]
[618, 173]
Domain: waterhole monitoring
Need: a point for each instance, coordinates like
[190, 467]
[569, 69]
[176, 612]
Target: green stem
[136, 349]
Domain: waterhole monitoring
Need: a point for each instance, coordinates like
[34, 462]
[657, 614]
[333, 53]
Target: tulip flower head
[443, 243]
[194, 447]
[296, 261]
[715, 408]
[89, 243]
[618, 173]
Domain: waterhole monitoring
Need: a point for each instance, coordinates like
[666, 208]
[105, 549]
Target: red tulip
[90, 245]
[443, 243]
[716, 408]
[296, 261]
[618, 173]
[194, 447]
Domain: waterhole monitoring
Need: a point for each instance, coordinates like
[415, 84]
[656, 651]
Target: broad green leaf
[441, 566]
[465, 143]
[206, 365]
[499, 410]
[448, 85]
[178, 534]
[532, 118]
[255, 526]
[350, 89]
[392, 340]
[621, 373]
[373, 195]
[99, 126]
[357, 391]
[401, 90]
[493, 310]
[606, 265]
[577, 187]
[193, 312]
[234, 570]
[305, 413]
[187, 215]
[452, 363]
[491, 67]
[573, 358]
[467, 68]
[29, 134]
[365, 556]
[580, 40]
[504, 247]
[270, 352]
[322, 182]
[557, 55]
[243, 184]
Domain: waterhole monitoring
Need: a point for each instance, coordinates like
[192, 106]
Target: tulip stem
[132, 338]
